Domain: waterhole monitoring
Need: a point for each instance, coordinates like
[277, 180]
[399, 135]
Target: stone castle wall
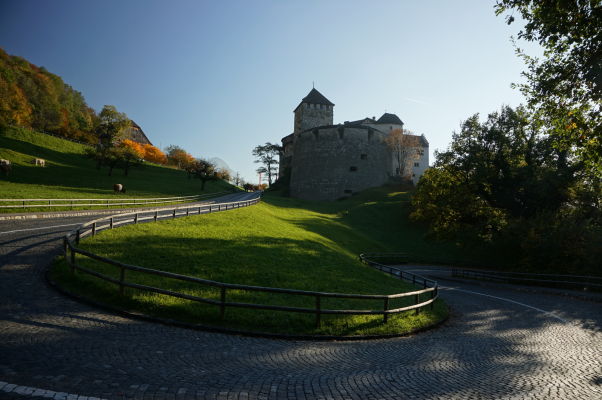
[308, 116]
[334, 162]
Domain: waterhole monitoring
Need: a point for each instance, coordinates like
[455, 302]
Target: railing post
[386, 308]
[107, 203]
[222, 306]
[136, 218]
[318, 311]
[219, 207]
[174, 213]
[187, 211]
[23, 203]
[93, 228]
[416, 301]
[72, 260]
[111, 223]
[72, 204]
[121, 279]
[156, 215]
[199, 209]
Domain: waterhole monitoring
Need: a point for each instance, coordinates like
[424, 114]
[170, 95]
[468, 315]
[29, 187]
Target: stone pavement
[498, 344]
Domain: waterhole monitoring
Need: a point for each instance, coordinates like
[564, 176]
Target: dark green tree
[565, 86]
[203, 170]
[267, 155]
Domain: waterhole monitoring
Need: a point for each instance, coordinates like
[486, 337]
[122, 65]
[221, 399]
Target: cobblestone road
[535, 346]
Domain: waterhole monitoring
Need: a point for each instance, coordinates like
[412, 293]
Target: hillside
[34, 98]
[281, 242]
[69, 174]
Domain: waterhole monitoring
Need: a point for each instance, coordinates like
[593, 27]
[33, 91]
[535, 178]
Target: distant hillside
[32, 97]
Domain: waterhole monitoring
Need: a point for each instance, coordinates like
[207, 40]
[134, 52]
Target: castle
[323, 161]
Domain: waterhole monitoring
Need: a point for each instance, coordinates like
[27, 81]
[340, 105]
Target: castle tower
[314, 110]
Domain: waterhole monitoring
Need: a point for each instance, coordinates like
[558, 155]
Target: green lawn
[281, 242]
[68, 174]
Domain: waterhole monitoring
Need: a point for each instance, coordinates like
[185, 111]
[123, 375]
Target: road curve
[499, 343]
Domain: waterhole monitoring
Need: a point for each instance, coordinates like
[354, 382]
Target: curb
[215, 329]
[83, 213]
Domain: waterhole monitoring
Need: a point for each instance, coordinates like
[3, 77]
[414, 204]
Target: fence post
[72, 204]
[111, 223]
[416, 301]
[174, 213]
[219, 207]
[432, 297]
[77, 236]
[199, 209]
[187, 211]
[318, 311]
[107, 203]
[156, 215]
[136, 218]
[72, 260]
[93, 228]
[121, 279]
[386, 308]
[222, 306]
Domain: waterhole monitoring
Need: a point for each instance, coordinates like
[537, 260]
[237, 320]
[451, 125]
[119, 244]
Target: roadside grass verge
[69, 174]
[280, 242]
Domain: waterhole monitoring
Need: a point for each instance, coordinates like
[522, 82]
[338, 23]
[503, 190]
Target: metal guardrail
[35, 203]
[550, 280]
[429, 290]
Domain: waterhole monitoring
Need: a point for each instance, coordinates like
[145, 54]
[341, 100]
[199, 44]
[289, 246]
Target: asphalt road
[499, 343]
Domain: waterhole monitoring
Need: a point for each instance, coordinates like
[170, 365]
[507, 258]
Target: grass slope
[68, 174]
[281, 242]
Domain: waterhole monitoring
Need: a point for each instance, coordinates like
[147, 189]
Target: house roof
[315, 97]
[387, 118]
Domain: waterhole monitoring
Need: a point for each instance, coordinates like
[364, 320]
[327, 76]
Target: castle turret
[314, 110]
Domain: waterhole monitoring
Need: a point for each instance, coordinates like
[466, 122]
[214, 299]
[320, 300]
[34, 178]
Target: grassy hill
[281, 242]
[68, 174]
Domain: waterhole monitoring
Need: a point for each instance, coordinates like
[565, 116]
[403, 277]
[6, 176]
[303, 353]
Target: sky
[221, 77]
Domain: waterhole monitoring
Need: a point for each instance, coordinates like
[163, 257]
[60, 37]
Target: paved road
[499, 343]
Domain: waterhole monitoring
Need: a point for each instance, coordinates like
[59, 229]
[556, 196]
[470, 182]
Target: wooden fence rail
[29, 203]
[429, 287]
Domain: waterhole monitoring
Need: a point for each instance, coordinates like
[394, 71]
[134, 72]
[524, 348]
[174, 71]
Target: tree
[112, 125]
[266, 155]
[178, 156]
[565, 87]
[502, 184]
[153, 154]
[402, 146]
[203, 170]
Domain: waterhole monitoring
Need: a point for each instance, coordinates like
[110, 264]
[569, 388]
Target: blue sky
[221, 77]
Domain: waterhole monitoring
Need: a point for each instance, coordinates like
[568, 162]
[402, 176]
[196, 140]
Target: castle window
[353, 168]
[364, 156]
[417, 164]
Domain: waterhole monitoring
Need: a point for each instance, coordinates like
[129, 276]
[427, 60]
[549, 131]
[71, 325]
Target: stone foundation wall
[334, 162]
